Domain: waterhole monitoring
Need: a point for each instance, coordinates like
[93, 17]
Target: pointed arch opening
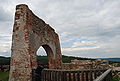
[42, 58]
[45, 56]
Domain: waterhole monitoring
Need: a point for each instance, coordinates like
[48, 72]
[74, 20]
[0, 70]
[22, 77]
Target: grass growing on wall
[4, 76]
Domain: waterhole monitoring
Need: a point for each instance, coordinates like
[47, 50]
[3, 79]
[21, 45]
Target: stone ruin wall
[70, 66]
[86, 64]
[29, 33]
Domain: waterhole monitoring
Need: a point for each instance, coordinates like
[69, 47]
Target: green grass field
[4, 76]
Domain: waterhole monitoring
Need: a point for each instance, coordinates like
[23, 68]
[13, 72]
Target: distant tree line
[4, 60]
[44, 59]
[65, 59]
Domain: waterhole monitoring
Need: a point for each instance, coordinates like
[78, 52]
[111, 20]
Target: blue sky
[87, 28]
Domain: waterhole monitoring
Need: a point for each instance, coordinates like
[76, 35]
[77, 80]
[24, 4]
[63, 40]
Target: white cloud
[5, 45]
[84, 43]
[79, 48]
[41, 51]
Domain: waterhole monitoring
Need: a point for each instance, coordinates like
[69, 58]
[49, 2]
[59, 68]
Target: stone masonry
[29, 33]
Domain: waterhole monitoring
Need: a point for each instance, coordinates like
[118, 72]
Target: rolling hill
[111, 59]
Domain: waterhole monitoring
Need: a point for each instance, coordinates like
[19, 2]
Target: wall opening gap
[42, 57]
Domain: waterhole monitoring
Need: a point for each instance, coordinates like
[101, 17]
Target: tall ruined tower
[29, 33]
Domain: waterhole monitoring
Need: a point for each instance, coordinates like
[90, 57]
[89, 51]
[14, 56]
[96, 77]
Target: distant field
[4, 76]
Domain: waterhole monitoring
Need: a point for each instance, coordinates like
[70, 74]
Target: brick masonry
[29, 33]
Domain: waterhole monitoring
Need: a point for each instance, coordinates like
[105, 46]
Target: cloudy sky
[87, 28]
